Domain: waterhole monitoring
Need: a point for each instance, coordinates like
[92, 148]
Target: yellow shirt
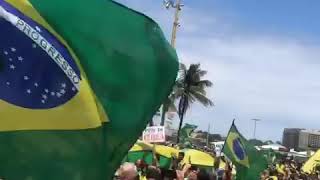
[274, 177]
[280, 168]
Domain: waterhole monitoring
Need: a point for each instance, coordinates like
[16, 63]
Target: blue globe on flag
[36, 69]
[238, 149]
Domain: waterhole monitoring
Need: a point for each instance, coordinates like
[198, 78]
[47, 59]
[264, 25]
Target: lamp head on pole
[256, 119]
[168, 3]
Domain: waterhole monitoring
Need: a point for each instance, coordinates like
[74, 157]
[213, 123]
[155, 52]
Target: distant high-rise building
[301, 139]
[309, 139]
[290, 138]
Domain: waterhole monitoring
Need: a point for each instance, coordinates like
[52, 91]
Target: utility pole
[208, 135]
[255, 126]
[177, 6]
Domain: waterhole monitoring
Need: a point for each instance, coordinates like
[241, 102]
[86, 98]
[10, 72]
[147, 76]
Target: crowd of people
[289, 169]
[177, 171]
[283, 168]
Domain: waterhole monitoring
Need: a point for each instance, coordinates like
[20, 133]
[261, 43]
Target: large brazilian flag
[79, 80]
[248, 161]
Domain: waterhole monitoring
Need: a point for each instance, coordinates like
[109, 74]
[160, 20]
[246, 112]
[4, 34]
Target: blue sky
[263, 58]
[284, 17]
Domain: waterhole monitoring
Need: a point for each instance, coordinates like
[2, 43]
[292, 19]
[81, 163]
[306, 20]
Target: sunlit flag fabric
[74, 76]
[186, 132]
[248, 161]
[311, 164]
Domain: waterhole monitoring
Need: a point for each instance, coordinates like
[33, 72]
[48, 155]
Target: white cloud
[263, 76]
[277, 81]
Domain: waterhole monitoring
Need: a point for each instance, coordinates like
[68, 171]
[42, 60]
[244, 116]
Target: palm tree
[190, 88]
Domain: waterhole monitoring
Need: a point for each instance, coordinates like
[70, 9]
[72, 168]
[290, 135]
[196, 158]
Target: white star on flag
[63, 85]
[28, 91]
[5, 52]
[13, 49]
[20, 58]
[44, 96]
[25, 77]
[12, 66]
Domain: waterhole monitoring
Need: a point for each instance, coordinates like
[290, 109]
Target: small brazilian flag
[186, 132]
[248, 161]
[79, 81]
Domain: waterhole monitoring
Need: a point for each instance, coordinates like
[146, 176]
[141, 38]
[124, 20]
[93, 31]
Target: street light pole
[177, 5]
[175, 23]
[255, 126]
[208, 135]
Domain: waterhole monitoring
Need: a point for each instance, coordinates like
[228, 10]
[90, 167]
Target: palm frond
[203, 99]
[190, 98]
[178, 92]
[204, 83]
[197, 89]
[202, 73]
[182, 72]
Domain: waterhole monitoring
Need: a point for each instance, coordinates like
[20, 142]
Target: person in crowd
[180, 169]
[127, 171]
[177, 162]
[141, 168]
[203, 175]
[216, 164]
[228, 172]
[288, 169]
[153, 173]
[264, 175]
[190, 172]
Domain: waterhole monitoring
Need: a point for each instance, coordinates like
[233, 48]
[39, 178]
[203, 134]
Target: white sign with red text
[154, 134]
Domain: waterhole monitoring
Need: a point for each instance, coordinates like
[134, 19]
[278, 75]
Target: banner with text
[154, 134]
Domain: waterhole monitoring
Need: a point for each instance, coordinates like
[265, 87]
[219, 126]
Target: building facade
[290, 138]
[309, 139]
[301, 139]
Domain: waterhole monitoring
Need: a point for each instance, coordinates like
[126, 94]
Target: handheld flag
[74, 75]
[312, 163]
[248, 161]
[186, 132]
